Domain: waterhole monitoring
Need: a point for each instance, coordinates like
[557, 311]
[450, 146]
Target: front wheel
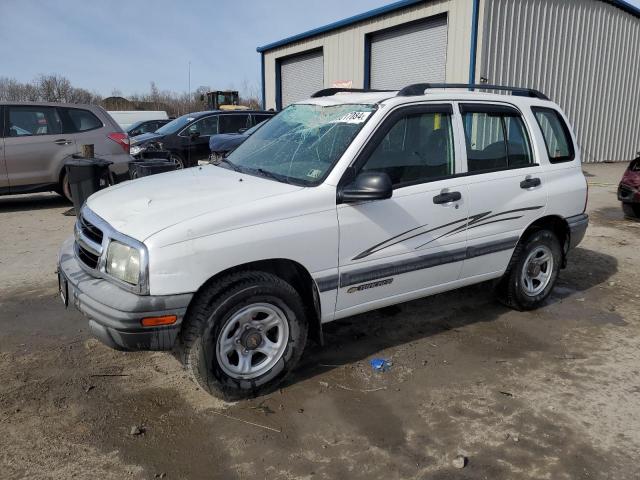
[244, 334]
[177, 159]
[532, 272]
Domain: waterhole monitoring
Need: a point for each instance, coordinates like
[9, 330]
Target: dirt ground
[549, 394]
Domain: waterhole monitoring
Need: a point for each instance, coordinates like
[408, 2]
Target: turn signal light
[159, 321]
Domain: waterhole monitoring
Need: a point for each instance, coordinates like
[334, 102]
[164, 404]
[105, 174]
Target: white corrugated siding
[584, 54]
[301, 76]
[412, 54]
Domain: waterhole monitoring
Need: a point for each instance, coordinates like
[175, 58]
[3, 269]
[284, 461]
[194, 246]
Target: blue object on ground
[380, 364]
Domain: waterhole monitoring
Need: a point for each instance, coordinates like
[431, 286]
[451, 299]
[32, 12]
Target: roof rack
[419, 88]
[327, 92]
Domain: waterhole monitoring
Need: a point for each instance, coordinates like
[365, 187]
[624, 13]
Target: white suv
[347, 202]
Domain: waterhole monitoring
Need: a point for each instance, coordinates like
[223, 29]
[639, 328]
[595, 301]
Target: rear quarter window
[556, 134]
[80, 120]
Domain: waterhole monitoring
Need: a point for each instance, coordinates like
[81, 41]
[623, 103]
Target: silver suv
[37, 138]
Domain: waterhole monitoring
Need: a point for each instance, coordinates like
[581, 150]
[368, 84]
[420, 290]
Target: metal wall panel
[411, 54]
[584, 54]
[301, 76]
[344, 49]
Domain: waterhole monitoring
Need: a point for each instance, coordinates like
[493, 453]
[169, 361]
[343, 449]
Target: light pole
[189, 98]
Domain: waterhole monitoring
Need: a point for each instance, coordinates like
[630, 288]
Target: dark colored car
[629, 189]
[145, 126]
[220, 145]
[187, 137]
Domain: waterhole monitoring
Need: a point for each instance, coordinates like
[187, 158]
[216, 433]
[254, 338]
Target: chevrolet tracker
[343, 203]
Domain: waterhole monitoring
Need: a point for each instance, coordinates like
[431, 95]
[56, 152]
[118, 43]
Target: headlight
[136, 149]
[123, 262]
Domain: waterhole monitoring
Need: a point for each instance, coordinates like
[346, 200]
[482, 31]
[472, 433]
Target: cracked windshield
[301, 144]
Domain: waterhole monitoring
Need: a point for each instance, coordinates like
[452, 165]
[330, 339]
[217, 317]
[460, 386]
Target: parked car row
[37, 139]
[187, 137]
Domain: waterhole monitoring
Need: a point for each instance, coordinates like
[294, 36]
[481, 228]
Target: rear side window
[496, 138]
[233, 123]
[555, 133]
[25, 121]
[80, 120]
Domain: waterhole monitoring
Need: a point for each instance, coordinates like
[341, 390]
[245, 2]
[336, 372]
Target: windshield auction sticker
[352, 117]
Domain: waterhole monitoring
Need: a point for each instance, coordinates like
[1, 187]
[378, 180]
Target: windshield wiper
[273, 176]
[233, 166]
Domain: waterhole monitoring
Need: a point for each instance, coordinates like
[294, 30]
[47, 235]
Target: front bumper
[577, 228]
[115, 314]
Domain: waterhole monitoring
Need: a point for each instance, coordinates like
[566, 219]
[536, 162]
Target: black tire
[631, 210]
[209, 313]
[510, 290]
[63, 189]
[178, 160]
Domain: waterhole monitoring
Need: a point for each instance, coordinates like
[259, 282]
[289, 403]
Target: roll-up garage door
[301, 76]
[412, 54]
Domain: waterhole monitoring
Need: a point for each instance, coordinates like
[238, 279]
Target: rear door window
[496, 138]
[80, 120]
[555, 133]
[234, 123]
[25, 121]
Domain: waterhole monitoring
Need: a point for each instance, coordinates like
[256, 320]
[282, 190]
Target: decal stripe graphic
[392, 269]
[471, 222]
[327, 283]
[481, 217]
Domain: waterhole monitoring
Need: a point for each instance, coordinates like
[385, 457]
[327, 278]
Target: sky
[107, 45]
[104, 45]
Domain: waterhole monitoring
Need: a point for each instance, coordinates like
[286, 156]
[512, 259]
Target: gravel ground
[549, 394]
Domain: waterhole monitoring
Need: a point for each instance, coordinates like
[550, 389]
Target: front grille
[88, 242]
[90, 230]
[87, 257]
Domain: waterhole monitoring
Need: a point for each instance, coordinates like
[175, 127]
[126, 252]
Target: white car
[344, 203]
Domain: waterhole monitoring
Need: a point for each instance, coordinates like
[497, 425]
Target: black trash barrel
[86, 176]
[145, 168]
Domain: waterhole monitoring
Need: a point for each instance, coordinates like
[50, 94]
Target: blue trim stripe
[474, 42]
[622, 4]
[342, 23]
[626, 6]
[264, 92]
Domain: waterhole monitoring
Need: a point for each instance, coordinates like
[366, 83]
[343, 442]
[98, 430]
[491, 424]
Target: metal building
[584, 54]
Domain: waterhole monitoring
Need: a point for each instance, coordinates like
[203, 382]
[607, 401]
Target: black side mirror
[195, 135]
[367, 186]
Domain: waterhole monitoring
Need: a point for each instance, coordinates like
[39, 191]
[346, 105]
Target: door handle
[530, 183]
[447, 197]
[63, 141]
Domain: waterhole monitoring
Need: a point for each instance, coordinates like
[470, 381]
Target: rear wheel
[532, 272]
[244, 334]
[64, 189]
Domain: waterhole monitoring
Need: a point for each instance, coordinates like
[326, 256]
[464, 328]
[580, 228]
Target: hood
[224, 142]
[142, 207]
[145, 137]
